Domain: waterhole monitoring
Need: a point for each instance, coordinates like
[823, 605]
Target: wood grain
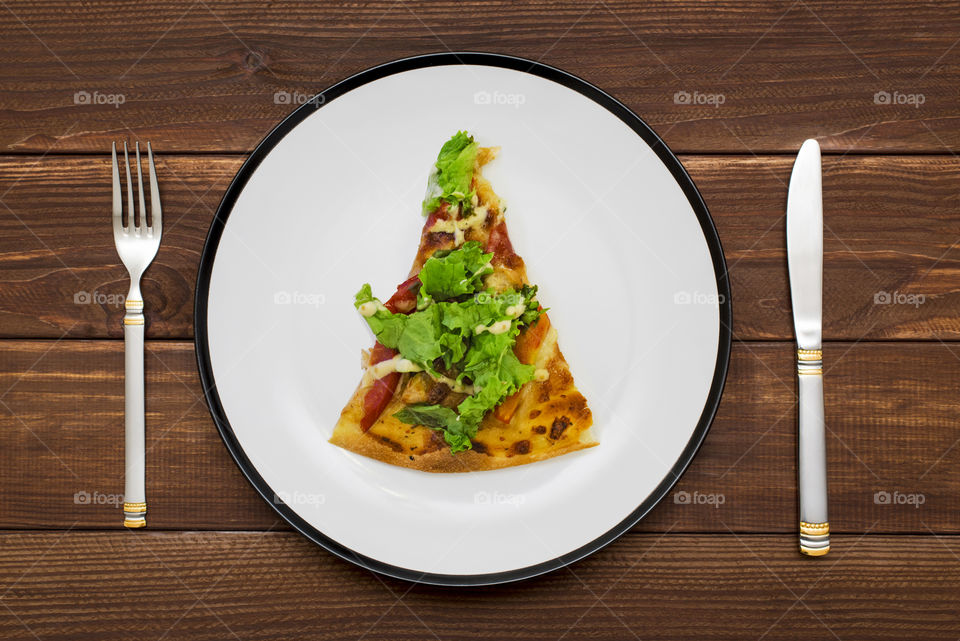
[218, 75]
[890, 230]
[894, 428]
[279, 586]
[59, 268]
[735, 87]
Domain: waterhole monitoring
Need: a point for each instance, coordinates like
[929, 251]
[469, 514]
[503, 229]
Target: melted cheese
[541, 375]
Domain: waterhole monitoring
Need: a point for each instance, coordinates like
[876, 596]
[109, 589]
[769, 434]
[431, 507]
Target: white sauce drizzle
[395, 364]
[400, 364]
[516, 310]
[370, 308]
[460, 388]
[496, 328]
[458, 227]
[541, 375]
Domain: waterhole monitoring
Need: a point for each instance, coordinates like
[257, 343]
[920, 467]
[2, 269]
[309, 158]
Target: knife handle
[812, 467]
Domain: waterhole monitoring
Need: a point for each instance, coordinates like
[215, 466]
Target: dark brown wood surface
[210, 75]
[891, 227]
[887, 433]
[733, 87]
[197, 585]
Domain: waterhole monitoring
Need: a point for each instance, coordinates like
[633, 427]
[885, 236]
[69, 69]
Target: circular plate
[612, 230]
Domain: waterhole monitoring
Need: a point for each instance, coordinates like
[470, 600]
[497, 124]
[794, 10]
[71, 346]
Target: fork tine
[142, 227]
[126, 161]
[117, 195]
[156, 216]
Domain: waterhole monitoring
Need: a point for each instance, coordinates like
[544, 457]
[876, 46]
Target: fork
[137, 245]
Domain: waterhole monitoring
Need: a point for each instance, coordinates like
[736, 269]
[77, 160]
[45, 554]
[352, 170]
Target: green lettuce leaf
[420, 340]
[493, 367]
[448, 275]
[456, 433]
[386, 326]
[532, 309]
[453, 304]
[453, 173]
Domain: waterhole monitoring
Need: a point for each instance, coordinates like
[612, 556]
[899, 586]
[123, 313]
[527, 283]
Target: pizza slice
[466, 373]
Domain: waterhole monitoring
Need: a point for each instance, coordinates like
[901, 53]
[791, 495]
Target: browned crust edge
[350, 437]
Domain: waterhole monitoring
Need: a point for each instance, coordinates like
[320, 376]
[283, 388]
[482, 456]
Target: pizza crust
[551, 419]
[555, 405]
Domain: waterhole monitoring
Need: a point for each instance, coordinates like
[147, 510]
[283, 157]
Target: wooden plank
[280, 586]
[59, 268]
[891, 231]
[890, 243]
[733, 77]
[63, 412]
[894, 459]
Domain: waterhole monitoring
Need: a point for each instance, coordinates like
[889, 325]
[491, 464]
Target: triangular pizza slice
[466, 373]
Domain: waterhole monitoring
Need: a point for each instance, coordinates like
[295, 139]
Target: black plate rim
[583, 87]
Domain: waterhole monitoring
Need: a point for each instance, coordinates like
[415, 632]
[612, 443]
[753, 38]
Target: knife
[805, 262]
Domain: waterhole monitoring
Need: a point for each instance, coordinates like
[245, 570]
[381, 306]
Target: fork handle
[812, 464]
[134, 496]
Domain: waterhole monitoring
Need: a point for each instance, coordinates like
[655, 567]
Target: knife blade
[805, 264]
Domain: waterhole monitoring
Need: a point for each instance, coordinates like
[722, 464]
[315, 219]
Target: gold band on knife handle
[814, 529]
[814, 538]
[135, 515]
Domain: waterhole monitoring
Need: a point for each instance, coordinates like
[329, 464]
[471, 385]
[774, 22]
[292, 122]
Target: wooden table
[876, 82]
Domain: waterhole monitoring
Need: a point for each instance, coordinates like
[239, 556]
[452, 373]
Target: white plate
[611, 228]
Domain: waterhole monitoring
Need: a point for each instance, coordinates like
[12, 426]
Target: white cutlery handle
[814, 526]
[134, 496]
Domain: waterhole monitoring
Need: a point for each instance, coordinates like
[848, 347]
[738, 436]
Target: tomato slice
[403, 301]
[382, 390]
[440, 213]
[499, 243]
